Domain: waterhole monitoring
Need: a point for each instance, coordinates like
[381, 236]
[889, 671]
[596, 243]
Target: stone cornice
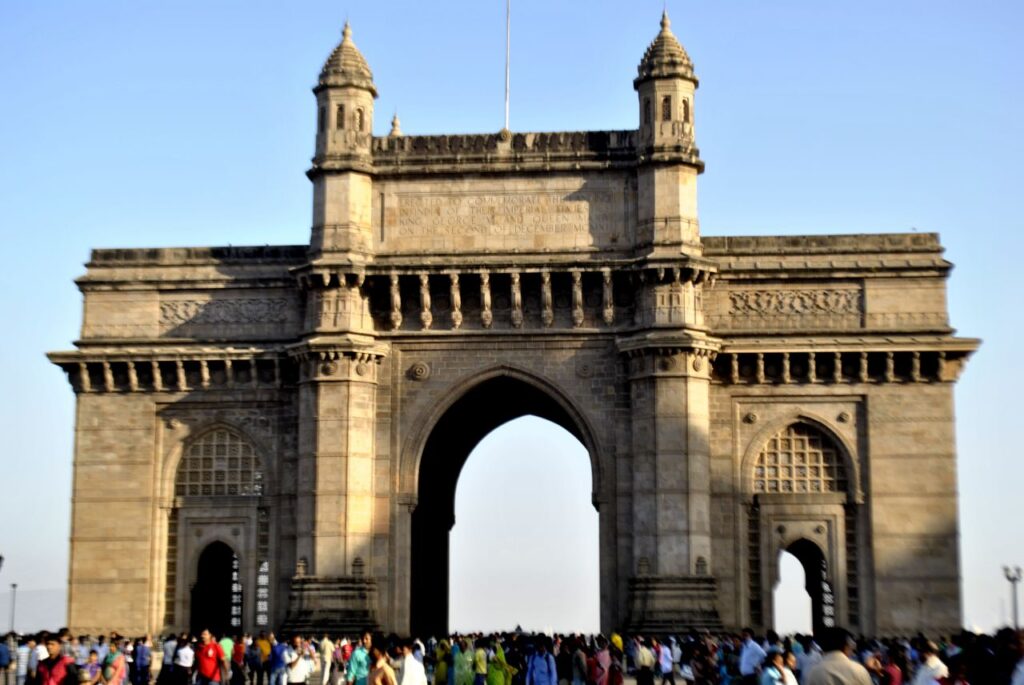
[175, 370]
[864, 364]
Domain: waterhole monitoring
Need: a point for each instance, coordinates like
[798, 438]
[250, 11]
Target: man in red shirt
[56, 669]
[212, 665]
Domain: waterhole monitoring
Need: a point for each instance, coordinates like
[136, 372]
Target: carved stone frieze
[220, 312]
[794, 302]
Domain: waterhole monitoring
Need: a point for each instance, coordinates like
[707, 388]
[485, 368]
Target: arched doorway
[466, 422]
[524, 548]
[804, 502]
[816, 583]
[792, 601]
[215, 603]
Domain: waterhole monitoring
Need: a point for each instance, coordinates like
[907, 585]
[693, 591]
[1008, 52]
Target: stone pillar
[331, 589]
[672, 587]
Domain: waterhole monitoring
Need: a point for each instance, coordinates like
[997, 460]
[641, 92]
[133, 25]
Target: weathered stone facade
[311, 406]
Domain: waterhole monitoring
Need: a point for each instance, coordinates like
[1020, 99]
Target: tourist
[297, 666]
[254, 661]
[836, 667]
[788, 664]
[277, 667]
[184, 659]
[358, 670]
[23, 657]
[211, 666]
[771, 673]
[56, 668]
[142, 656]
[463, 663]
[665, 664]
[751, 657]
[540, 667]
[264, 643]
[326, 659]
[114, 665]
[499, 672]
[581, 664]
[91, 668]
[413, 672]
[238, 661]
[442, 662]
[645, 662]
[381, 672]
[227, 645]
[480, 662]
[931, 670]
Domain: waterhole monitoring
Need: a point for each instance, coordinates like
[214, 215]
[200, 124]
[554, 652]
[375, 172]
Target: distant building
[270, 435]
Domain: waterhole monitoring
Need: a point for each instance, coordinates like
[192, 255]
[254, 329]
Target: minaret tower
[344, 132]
[670, 161]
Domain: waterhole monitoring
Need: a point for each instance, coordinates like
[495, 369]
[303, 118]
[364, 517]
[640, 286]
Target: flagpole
[508, 54]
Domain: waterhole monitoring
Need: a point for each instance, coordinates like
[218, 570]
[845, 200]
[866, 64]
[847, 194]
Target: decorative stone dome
[346, 66]
[665, 57]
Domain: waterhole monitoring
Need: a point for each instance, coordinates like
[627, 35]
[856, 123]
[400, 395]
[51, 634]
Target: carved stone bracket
[158, 371]
[797, 367]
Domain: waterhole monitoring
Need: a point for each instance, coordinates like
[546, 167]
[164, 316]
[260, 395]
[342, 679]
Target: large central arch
[477, 408]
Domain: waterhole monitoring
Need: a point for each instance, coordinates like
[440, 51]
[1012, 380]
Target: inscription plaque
[527, 218]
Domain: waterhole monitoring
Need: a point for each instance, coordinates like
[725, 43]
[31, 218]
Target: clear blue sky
[191, 123]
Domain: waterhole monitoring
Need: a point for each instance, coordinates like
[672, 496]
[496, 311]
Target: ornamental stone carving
[794, 302]
[420, 371]
[178, 312]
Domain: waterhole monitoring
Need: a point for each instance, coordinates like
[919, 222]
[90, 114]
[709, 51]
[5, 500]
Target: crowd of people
[833, 657]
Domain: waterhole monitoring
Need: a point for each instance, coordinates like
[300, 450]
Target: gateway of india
[272, 436]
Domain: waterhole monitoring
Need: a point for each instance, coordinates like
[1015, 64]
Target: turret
[669, 159]
[665, 84]
[343, 162]
[344, 99]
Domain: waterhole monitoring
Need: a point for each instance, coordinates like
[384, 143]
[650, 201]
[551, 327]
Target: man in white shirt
[184, 658]
[297, 666]
[413, 672]
[836, 667]
[751, 657]
[931, 669]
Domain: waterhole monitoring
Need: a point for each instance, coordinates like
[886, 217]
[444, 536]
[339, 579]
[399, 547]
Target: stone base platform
[672, 604]
[334, 605]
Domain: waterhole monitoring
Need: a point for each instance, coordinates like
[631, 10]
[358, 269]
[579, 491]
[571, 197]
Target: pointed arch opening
[216, 603]
[792, 600]
[524, 547]
[486, 406]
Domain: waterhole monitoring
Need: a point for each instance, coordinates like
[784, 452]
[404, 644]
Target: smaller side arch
[847, 452]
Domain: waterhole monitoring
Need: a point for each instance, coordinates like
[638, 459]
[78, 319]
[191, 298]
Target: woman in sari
[498, 670]
[442, 660]
[463, 664]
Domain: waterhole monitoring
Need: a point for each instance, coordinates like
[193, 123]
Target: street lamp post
[14, 598]
[1013, 575]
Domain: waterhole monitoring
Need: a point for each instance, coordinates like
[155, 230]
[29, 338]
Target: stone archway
[816, 582]
[214, 600]
[477, 412]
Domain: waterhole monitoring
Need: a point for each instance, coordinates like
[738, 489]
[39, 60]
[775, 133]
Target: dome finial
[346, 66]
[665, 57]
[396, 126]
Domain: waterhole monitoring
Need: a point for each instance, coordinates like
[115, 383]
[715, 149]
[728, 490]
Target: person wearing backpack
[540, 670]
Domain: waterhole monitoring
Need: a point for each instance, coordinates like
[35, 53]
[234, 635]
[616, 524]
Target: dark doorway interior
[212, 595]
[477, 413]
[817, 583]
